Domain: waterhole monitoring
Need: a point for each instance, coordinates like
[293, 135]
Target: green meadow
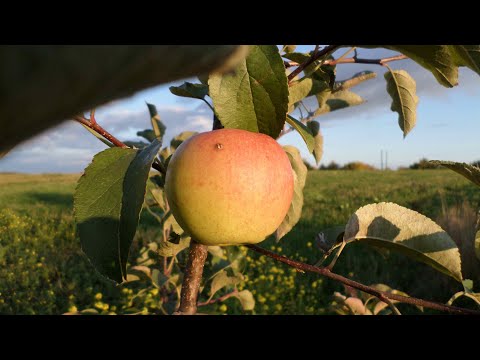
[42, 270]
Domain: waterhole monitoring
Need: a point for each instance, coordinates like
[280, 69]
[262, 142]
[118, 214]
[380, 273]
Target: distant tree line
[422, 164]
[354, 165]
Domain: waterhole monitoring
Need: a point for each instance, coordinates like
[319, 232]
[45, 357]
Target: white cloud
[200, 122]
[70, 148]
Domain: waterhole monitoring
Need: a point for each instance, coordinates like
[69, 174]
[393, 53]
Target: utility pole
[381, 159]
[386, 160]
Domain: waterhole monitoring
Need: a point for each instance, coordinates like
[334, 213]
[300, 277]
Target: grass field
[43, 271]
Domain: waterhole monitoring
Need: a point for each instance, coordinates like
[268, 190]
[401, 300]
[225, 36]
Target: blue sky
[447, 124]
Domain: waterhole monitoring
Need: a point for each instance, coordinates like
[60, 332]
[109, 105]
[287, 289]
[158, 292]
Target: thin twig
[220, 299]
[356, 60]
[93, 125]
[326, 50]
[92, 117]
[100, 130]
[367, 289]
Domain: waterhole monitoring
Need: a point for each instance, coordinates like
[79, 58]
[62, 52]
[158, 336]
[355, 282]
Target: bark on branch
[192, 279]
[367, 289]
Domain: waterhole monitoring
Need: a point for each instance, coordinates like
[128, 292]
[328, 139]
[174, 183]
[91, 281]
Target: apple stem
[192, 278]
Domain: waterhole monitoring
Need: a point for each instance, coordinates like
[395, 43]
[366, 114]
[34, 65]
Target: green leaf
[324, 73]
[255, 98]
[437, 59]
[303, 88]
[157, 194]
[158, 278]
[380, 304]
[89, 312]
[216, 251]
[402, 88]
[298, 90]
[168, 151]
[304, 132]
[467, 285]
[289, 48]
[94, 133]
[169, 249]
[158, 126]
[236, 257]
[203, 79]
[314, 127]
[354, 80]
[147, 134]
[171, 222]
[246, 300]
[222, 280]
[357, 307]
[148, 254]
[179, 139]
[136, 144]
[468, 171]
[300, 176]
[300, 58]
[165, 154]
[327, 73]
[467, 55]
[400, 229]
[328, 101]
[297, 57]
[195, 91]
[141, 271]
[107, 202]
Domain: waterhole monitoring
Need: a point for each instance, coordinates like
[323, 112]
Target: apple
[229, 186]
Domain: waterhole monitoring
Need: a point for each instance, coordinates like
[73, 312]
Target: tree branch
[311, 60]
[192, 278]
[383, 296]
[93, 125]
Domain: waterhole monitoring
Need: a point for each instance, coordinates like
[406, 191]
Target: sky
[447, 124]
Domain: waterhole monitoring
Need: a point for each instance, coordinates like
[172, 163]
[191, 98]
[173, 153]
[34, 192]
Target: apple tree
[221, 192]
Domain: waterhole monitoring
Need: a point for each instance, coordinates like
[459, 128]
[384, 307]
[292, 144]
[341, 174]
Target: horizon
[446, 124]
